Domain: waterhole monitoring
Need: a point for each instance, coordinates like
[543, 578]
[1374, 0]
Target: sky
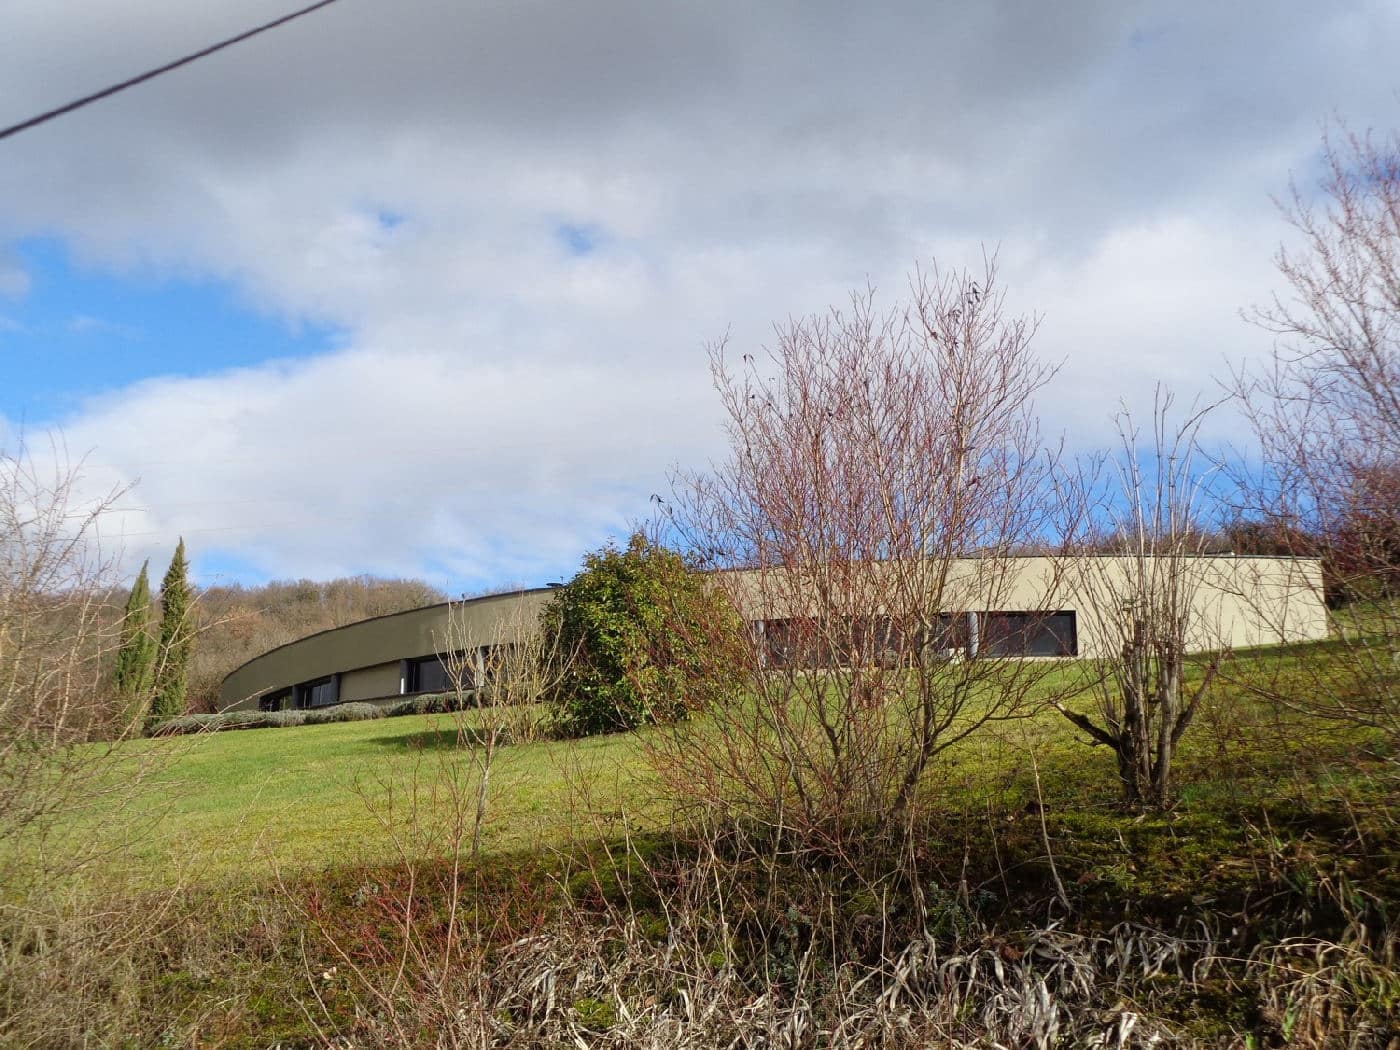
[424, 288]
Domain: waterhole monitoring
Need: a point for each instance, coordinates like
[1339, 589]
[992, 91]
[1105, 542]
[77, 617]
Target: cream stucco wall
[1229, 601]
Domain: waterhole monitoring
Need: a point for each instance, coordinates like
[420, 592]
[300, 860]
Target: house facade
[1016, 607]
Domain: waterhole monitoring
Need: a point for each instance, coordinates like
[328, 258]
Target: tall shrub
[134, 677]
[1325, 413]
[885, 469]
[176, 638]
[634, 625]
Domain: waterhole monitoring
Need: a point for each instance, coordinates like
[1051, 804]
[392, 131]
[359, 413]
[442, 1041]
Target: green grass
[245, 804]
[1277, 822]
[240, 803]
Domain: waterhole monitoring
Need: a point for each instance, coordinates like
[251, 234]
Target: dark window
[1029, 634]
[318, 693]
[875, 641]
[795, 643]
[438, 674]
[949, 635]
[866, 641]
[428, 675]
[279, 700]
[497, 661]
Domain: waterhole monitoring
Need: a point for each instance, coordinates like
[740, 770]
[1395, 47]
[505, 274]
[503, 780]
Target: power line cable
[86, 100]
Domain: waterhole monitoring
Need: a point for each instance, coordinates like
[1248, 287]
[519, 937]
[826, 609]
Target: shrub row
[438, 703]
[354, 711]
[351, 712]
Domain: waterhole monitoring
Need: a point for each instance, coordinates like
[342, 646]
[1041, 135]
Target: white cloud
[503, 402]
[14, 282]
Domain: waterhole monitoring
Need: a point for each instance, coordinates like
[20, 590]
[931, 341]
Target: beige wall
[367, 654]
[1234, 602]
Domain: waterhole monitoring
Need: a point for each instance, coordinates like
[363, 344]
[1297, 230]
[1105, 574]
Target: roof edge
[385, 616]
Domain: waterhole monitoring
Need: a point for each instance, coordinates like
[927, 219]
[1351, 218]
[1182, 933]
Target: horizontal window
[279, 700]
[428, 675]
[1029, 634]
[878, 641]
[859, 640]
[318, 693]
[443, 674]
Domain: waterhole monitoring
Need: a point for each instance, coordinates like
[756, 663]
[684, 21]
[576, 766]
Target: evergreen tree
[176, 638]
[136, 659]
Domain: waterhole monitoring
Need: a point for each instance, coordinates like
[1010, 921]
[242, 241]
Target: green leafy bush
[641, 640]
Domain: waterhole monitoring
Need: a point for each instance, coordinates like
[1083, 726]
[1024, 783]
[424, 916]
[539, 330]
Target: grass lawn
[249, 802]
[1285, 831]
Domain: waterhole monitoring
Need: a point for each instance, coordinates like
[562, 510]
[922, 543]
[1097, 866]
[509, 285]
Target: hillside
[286, 885]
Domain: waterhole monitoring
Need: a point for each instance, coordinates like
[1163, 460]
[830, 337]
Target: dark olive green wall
[370, 683]
[367, 654]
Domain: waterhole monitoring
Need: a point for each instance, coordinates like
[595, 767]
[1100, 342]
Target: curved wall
[367, 656]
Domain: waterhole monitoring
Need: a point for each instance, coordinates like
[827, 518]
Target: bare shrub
[1325, 412]
[67, 975]
[56, 634]
[885, 471]
[509, 677]
[1137, 579]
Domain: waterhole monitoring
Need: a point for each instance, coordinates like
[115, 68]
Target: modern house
[1033, 607]
[386, 657]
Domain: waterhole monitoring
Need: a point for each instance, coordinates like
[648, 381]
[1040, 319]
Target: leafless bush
[1137, 581]
[56, 633]
[434, 956]
[66, 784]
[885, 469]
[1325, 411]
[506, 677]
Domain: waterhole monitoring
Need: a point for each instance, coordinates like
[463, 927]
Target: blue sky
[78, 332]
[443, 310]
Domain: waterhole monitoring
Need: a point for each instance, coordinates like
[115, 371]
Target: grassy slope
[1272, 819]
[250, 801]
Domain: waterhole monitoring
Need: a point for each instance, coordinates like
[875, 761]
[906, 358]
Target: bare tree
[885, 468]
[503, 681]
[1137, 578]
[1325, 412]
[56, 629]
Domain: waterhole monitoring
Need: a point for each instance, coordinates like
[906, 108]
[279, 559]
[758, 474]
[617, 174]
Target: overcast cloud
[527, 219]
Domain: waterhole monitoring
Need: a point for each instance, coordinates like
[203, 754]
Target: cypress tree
[176, 638]
[136, 659]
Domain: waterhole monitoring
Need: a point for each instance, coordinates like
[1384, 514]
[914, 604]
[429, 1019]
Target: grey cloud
[742, 161]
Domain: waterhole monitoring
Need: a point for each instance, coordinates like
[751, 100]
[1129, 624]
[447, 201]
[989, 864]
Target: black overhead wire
[43, 118]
